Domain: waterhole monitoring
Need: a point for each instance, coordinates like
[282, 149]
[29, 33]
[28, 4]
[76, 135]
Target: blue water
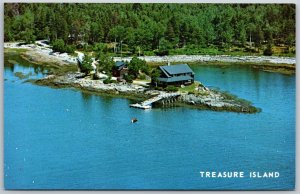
[66, 139]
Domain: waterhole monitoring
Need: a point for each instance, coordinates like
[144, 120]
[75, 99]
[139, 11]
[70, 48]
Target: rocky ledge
[202, 97]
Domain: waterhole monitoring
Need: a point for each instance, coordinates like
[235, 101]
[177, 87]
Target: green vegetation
[189, 88]
[59, 45]
[155, 73]
[268, 51]
[160, 28]
[192, 89]
[171, 89]
[108, 81]
[86, 65]
[137, 66]
[105, 63]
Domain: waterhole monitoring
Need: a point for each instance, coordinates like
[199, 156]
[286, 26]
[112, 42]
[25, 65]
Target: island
[144, 55]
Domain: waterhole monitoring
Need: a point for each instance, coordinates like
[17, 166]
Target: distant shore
[40, 51]
[215, 58]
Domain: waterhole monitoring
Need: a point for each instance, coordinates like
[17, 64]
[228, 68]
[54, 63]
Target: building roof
[120, 64]
[176, 78]
[176, 69]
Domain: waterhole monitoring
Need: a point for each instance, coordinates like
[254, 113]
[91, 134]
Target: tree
[100, 48]
[184, 35]
[106, 63]
[136, 65]
[164, 47]
[251, 30]
[58, 45]
[268, 51]
[27, 27]
[147, 25]
[46, 33]
[155, 73]
[62, 28]
[243, 36]
[28, 36]
[118, 33]
[172, 29]
[86, 65]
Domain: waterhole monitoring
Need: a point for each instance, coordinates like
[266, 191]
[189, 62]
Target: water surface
[66, 139]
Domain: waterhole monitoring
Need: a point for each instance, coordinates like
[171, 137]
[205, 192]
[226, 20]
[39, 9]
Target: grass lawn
[189, 88]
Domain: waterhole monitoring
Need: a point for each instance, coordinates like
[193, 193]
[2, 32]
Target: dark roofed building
[120, 64]
[176, 75]
[120, 69]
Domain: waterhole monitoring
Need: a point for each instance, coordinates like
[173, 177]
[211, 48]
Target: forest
[161, 29]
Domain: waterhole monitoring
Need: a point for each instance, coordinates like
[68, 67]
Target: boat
[133, 120]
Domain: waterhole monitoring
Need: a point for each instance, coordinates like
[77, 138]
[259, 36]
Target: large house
[176, 75]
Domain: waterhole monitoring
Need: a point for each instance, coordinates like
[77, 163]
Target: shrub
[60, 46]
[107, 81]
[87, 47]
[86, 65]
[128, 78]
[100, 47]
[161, 52]
[203, 93]
[268, 51]
[142, 77]
[171, 89]
[69, 48]
[158, 88]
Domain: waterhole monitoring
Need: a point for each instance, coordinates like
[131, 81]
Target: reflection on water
[66, 139]
[30, 72]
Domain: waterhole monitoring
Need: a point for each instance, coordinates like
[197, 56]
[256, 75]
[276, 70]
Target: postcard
[149, 96]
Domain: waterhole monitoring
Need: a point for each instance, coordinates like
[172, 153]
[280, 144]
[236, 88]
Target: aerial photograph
[149, 96]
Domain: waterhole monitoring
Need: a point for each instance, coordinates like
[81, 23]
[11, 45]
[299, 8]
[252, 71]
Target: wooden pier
[147, 104]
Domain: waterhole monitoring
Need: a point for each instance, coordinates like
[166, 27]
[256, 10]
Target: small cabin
[180, 74]
[120, 69]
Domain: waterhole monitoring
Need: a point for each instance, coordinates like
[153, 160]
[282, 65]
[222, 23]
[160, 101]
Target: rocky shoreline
[40, 53]
[215, 58]
[40, 50]
[204, 99]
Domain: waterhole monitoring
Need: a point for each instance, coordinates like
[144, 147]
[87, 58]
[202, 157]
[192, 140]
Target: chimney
[168, 63]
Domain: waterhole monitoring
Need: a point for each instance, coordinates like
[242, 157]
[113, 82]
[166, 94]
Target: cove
[68, 139]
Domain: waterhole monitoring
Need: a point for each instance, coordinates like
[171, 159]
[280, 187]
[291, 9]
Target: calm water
[66, 139]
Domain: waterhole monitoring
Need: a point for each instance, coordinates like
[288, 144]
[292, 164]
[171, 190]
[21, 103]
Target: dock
[147, 104]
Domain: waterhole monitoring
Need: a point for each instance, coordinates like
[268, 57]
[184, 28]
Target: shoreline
[43, 51]
[215, 58]
[207, 99]
[42, 55]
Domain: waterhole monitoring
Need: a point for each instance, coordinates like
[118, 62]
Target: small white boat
[133, 120]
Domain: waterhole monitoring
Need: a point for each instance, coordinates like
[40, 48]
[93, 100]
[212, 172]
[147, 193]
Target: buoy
[133, 120]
